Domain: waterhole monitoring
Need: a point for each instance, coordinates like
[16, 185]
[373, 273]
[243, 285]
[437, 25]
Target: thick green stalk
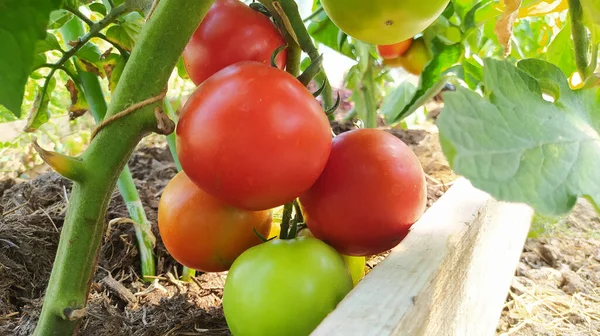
[367, 86]
[145, 75]
[186, 273]
[98, 107]
[581, 40]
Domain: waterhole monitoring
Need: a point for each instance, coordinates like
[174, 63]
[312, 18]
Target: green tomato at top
[383, 21]
[284, 287]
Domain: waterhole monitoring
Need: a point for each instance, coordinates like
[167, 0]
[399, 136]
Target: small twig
[128, 111]
[79, 14]
[118, 288]
[314, 14]
[50, 218]
[7, 212]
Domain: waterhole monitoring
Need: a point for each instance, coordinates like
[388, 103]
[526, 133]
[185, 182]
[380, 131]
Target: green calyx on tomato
[365, 209]
[231, 32]
[203, 233]
[383, 21]
[284, 287]
[414, 59]
[253, 136]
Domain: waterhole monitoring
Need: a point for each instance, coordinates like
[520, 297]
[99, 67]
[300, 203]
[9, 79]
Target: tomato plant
[383, 21]
[524, 89]
[203, 233]
[231, 32]
[284, 287]
[253, 136]
[363, 209]
[391, 51]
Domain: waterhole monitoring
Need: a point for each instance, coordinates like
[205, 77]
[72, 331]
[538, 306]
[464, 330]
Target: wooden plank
[450, 276]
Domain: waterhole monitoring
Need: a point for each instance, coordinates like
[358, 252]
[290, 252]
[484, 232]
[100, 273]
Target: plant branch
[186, 273]
[287, 16]
[79, 14]
[145, 75]
[314, 14]
[580, 37]
[95, 29]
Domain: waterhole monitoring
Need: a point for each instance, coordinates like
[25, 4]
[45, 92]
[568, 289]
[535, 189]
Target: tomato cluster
[252, 138]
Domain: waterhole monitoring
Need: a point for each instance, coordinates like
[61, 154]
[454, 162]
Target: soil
[556, 288]
[558, 277]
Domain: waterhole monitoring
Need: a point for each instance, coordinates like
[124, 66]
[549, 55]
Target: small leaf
[89, 67]
[39, 114]
[327, 33]
[79, 104]
[22, 24]
[181, 72]
[98, 8]
[444, 58]
[504, 26]
[125, 33]
[58, 18]
[560, 51]
[113, 65]
[395, 101]
[47, 44]
[517, 146]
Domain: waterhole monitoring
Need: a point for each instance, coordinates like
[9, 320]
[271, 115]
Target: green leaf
[560, 51]
[22, 24]
[98, 8]
[125, 32]
[395, 101]
[519, 147]
[113, 66]
[58, 18]
[39, 114]
[47, 44]
[444, 58]
[591, 18]
[181, 72]
[324, 31]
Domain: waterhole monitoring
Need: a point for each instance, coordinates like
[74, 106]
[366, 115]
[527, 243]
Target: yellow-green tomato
[355, 265]
[414, 59]
[383, 21]
[284, 287]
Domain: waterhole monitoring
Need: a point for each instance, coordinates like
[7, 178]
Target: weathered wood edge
[450, 276]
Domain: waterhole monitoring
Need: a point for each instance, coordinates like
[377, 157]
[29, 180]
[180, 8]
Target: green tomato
[383, 21]
[355, 265]
[284, 287]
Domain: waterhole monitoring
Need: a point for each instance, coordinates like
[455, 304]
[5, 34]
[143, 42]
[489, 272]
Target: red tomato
[253, 136]
[371, 192]
[231, 32]
[391, 51]
[203, 233]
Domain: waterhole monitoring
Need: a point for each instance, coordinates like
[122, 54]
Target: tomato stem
[158, 47]
[285, 220]
[295, 33]
[98, 107]
[186, 273]
[581, 41]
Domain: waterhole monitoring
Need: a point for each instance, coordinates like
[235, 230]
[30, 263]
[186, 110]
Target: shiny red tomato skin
[253, 136]
[231, 32]
[371, 192]
[203, 233]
